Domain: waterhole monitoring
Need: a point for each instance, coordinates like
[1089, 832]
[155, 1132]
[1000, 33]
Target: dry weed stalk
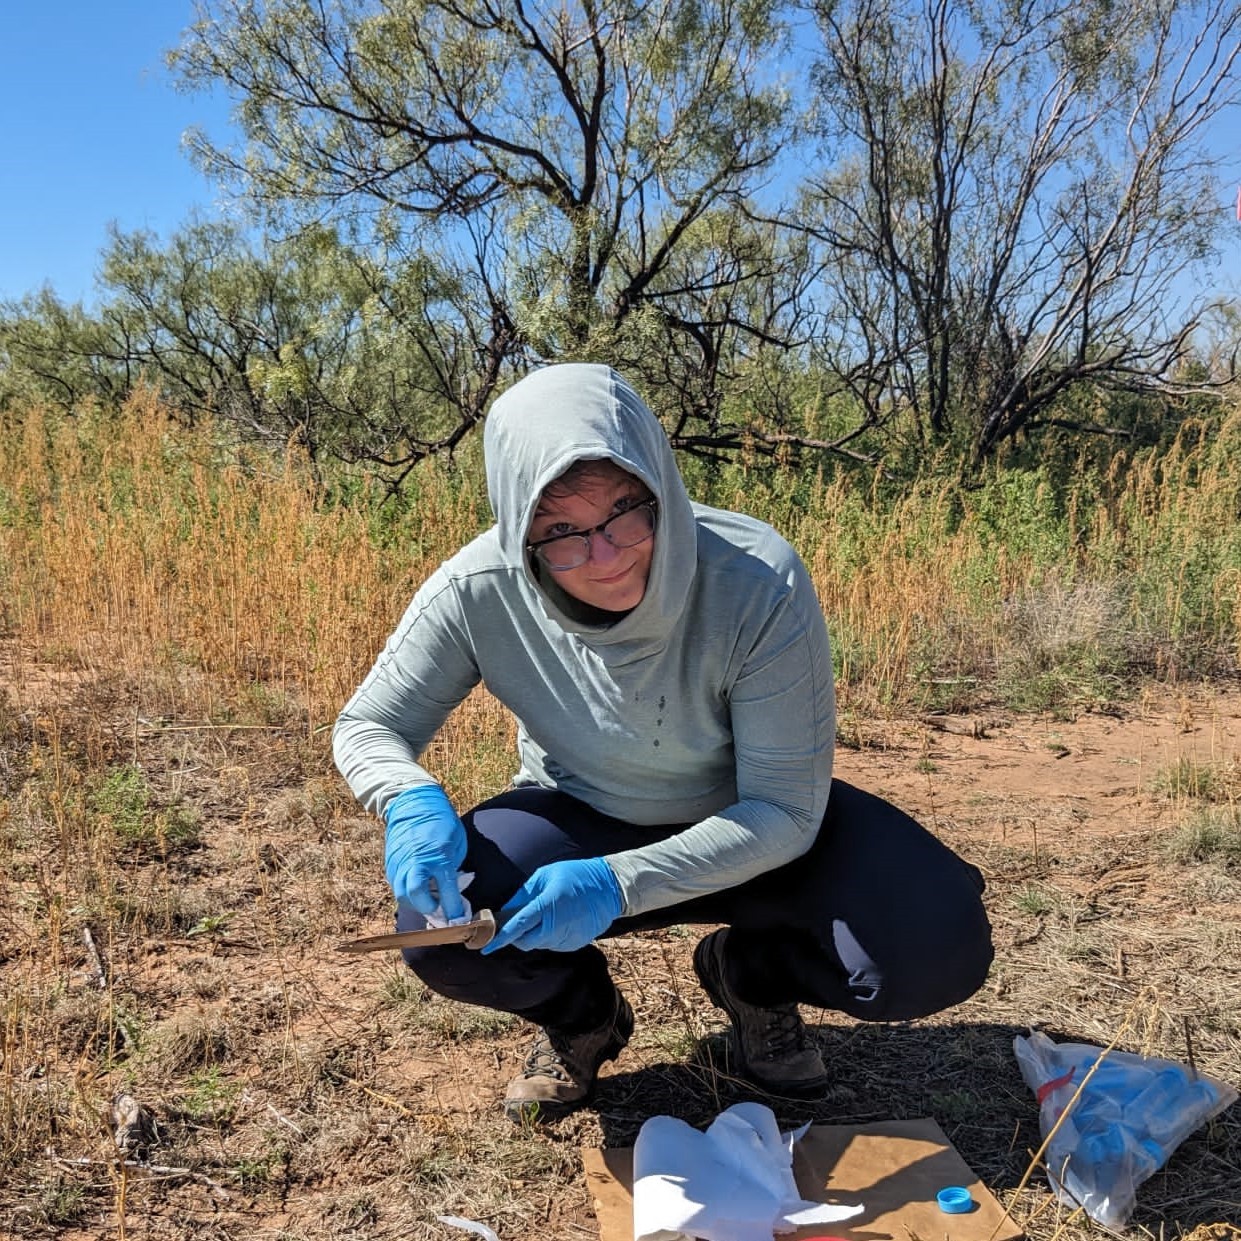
[1037, 1158]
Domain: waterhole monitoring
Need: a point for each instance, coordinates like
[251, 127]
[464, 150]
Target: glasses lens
[565, 553]
[630, 528]
[627, 529]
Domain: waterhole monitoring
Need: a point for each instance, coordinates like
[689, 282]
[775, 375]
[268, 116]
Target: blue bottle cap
[954, 1200]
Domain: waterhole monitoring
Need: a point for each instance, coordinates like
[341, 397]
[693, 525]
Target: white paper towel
[732, 1183]
[437, 919]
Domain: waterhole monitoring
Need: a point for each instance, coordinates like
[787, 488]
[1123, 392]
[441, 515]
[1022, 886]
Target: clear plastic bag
[1133, 1113]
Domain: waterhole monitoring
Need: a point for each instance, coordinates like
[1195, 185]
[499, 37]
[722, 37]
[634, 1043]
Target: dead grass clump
[1215, 1232]
[1214, 887]
[1212, 834]
[335, 1136]
[81, 1023]
[1063, 644]
[355, 1211]
[57, 1203]
[485, 1171]
[51, 1020]
[192, 1039]
[332, 887]
[1193, 779]
[274, 1005]
[417, 1168]
[164, 903]
[307, 811]
[347, 849]
[421, 1011]
[356, 830]
[346, 901]
[1055, 617]
[314, 1066]
[205, 977]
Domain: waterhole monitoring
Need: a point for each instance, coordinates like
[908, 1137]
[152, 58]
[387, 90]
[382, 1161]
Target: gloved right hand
[424, 849]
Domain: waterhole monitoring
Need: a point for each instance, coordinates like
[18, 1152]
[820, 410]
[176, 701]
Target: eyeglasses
[571, 551]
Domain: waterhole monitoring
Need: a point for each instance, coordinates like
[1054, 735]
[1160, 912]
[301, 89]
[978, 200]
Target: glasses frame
[587, 535]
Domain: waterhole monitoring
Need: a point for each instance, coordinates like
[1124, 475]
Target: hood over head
[573, 412]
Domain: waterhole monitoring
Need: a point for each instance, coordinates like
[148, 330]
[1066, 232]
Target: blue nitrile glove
[562, 906]
[424, 849]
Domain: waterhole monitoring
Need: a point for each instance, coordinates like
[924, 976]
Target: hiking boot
[770, 1043]
[561, 1069]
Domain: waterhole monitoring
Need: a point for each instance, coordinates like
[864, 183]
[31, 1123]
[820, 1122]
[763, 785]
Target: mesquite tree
[1013, 201]
[584, 173]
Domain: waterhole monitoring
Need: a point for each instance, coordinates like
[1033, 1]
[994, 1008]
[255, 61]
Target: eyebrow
[623, 488]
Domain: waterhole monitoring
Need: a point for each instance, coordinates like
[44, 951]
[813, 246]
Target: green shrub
[123, 801]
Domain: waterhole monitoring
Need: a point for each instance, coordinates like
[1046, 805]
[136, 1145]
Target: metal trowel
[475, 933]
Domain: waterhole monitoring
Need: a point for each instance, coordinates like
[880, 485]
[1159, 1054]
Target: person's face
[613, 578]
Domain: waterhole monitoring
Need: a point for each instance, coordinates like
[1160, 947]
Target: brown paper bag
[894, 1168]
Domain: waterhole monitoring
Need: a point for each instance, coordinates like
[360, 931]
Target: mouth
[616, 577]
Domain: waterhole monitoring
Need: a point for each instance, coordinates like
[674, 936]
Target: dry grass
[179, 625]
[302, 1095]
[145, 549]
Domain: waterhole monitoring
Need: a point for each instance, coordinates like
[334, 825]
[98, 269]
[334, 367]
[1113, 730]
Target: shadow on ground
[963, 1075]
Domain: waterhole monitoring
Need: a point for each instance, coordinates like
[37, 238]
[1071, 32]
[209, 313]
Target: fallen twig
[159, 1171]
[978, 729]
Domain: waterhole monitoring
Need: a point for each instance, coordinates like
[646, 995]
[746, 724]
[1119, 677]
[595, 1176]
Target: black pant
[878, 919]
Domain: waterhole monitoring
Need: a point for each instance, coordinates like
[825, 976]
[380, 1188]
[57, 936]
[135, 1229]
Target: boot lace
[545, 1059]
[779, 1031]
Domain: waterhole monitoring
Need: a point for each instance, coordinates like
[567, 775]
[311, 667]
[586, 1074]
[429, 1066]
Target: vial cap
[954, 1200]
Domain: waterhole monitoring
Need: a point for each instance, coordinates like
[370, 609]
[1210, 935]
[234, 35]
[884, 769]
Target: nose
[602, 549]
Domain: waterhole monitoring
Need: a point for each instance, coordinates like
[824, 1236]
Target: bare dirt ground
[299, 1093]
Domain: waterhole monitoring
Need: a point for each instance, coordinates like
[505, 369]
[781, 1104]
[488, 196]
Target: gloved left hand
[562, 906]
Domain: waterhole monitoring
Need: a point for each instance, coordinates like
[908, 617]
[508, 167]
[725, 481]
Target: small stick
[122, 1187]
[284, 1120]
[99, 973]
[211, 728]
[1036, 1160]
[159, 1171]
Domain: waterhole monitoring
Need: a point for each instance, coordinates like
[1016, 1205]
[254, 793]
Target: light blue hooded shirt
[710, 704]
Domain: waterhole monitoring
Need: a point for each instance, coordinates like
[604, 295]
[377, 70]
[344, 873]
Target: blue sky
[90, 132]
